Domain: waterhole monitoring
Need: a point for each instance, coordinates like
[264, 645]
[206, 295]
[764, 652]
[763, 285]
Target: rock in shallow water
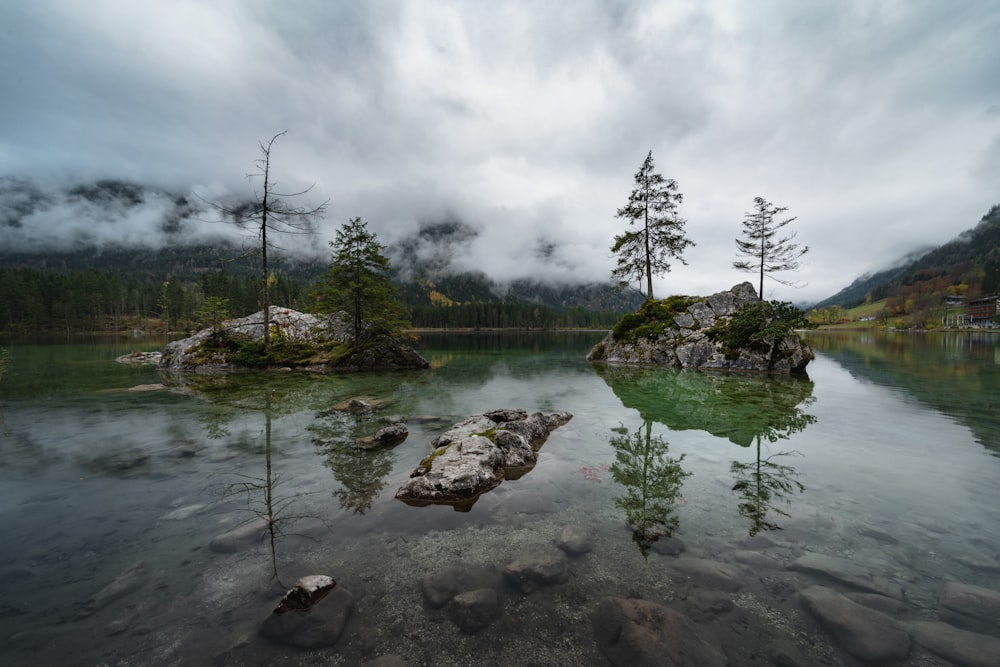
[305, 593]
[640, 633]
[474, 610]
[575, 541]
[972, 607]
[321, 625]
[966, 649]
[532, 572]
[865, 633]
[472, 456]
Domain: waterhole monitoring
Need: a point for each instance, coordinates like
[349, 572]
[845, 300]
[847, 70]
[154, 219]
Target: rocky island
[731, 330]
[298, 340]
[477, 454]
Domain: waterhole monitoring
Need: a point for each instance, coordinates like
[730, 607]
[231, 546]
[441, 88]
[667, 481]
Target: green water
[886, 455]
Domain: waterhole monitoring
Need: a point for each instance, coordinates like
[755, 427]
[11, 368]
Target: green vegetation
[658, 235]
[221, 346]
[652, 319]
[359, 283]
[758, 326]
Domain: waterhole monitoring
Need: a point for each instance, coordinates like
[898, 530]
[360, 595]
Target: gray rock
[241, 537]
[387, 436]
[322, 331]
[966, 649]
[667, 545]
[686, 343]
[711, 574]
[640, 633]
[845, 572]
[972, 607]
[474, 610]
[306, 593]
[886, 605]
[575, 541]
[386, 661]
[756, 560]
[472, 456]
[129, 581]
[530, 573]
[864, 633]
[440, 586]
[321, 625]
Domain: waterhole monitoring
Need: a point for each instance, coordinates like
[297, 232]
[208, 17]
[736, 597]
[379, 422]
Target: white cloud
[527, 120]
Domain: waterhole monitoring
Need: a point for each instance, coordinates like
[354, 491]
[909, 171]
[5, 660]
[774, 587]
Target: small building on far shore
[981, 311]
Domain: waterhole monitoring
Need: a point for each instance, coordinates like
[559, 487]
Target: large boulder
[317, 342]
[865, 633]
[636, 633]
[477, 454]
[684, 340]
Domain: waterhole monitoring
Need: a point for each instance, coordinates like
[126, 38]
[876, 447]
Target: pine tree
[357, 282]
[765, 251]
[659, 235]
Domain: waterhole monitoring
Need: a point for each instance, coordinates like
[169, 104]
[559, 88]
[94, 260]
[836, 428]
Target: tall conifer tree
[656, 231]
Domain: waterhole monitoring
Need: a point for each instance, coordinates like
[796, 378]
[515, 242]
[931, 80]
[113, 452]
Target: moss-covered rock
[297, 340]
[731, 330]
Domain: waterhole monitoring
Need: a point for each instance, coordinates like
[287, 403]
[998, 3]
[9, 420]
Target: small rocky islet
[680, 332]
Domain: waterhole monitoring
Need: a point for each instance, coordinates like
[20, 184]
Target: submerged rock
[474, 610]
[474, 456]
[575, 541]
[846, 572]
[386, 436]
[129, 581]
[318, 626]
[865, 633]
[532, 572]
[685, 340]
[971, 607]
[640, 633]
[967, 649]
[440, 586]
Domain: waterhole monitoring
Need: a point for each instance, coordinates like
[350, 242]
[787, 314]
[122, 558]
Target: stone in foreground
[306, 592]
[640, 633]
[865, 633]
[477, 454]
[320, 625]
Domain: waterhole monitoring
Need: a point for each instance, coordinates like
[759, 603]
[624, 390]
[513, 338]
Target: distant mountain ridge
[154, 234]
[969, 263]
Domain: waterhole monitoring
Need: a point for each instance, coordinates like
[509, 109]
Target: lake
[133, 503]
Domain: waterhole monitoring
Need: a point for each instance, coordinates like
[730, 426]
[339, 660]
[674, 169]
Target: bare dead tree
[271, 212]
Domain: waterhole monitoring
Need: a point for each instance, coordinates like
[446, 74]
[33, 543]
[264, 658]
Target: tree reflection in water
[361, 472]
[228, 396]
[652, 482]
[744, 409]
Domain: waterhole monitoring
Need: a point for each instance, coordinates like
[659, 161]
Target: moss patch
[652, 319]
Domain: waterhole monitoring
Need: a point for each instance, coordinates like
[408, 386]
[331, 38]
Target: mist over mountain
[971, 259]
[153, 233]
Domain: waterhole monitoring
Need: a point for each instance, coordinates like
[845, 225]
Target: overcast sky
[876, 123]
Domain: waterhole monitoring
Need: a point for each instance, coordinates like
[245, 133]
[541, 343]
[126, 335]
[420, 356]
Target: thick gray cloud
[875, 123]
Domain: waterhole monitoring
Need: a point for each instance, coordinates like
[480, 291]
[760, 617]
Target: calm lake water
[887, 455]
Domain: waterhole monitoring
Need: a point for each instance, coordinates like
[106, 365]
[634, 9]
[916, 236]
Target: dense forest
[93, 300]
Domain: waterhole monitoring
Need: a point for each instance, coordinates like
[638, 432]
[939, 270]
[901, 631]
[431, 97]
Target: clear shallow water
[886, 455]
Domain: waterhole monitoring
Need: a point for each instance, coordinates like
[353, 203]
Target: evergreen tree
[659, 235]
[357, 282]
[764, 250]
